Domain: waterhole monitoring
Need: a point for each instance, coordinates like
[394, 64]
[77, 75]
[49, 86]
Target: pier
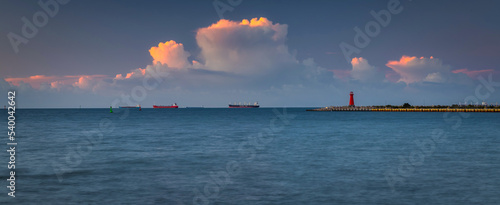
[406, 107]
[372, 109]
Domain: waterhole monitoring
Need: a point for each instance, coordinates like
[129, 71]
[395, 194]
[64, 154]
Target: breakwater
[368, 109]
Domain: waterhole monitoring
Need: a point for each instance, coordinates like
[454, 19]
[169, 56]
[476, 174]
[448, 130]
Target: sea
[251, 156]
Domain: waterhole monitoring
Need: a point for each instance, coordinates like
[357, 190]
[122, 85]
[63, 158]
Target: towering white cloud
[249, 47]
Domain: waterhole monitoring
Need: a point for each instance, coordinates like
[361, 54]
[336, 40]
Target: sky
[67, 54]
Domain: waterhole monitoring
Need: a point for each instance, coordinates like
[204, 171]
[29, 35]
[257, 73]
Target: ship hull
[162, 106]
[130, 107]
[244, 106]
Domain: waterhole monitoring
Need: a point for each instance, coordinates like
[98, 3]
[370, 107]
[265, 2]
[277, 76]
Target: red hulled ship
[166, 106]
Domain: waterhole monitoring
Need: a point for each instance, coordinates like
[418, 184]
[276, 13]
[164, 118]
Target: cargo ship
[234, 105]
[166, 106]
[136, 107]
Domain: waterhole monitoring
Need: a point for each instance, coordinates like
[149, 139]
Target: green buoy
[110, 109]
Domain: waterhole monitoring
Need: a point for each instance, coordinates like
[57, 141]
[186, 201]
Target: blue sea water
[252, 156]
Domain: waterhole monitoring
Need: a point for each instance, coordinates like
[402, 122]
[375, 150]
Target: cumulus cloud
[249, 54]
[141, 76]
[409, 70]
[364, 72]
[246, 47]
[361, 71]
[139, 72]
[85, 83]
[170, 53]
[435, 78]
[413, 69]
[58, 85]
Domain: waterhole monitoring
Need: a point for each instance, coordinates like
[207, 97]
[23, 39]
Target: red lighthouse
[351, 101]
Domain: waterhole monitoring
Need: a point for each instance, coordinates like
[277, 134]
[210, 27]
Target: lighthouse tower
[351, 100]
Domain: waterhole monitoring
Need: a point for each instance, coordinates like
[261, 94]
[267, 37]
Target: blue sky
[94, 53]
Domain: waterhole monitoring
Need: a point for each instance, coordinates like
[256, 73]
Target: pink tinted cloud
[412, 69]
[139, 72]
[262, 23]
[473, 73]
[54, 81]
[34, 81]
[57, 85]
